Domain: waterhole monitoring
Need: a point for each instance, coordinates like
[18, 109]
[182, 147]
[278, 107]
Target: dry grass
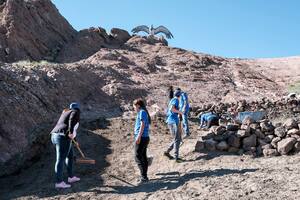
[294, 87]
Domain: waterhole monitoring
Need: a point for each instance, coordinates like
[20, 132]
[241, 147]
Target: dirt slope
[201, 176]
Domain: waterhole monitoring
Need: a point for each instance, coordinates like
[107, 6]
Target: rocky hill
[35, 30]
[103, 72]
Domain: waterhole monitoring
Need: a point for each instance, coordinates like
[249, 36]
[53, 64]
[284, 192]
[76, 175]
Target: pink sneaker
[73, 179]
[62, 185]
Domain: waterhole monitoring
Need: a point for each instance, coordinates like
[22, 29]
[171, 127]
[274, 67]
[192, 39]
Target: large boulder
[210, 144]
[119, 34]
[222, 146]
[286, 145]
[249, 142]
[200, 145]
[234, 141]
[275, 141]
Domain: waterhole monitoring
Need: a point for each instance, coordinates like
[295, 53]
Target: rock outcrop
[32, 30]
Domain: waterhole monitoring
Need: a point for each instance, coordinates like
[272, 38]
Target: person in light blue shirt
[184, 107]
[173, 122]
[208, 119]
[141, 137]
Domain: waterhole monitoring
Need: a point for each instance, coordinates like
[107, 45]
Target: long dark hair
[142, 105]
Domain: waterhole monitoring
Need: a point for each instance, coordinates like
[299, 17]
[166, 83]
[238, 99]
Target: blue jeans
[64, 153]
[185, 124]
[176, 139]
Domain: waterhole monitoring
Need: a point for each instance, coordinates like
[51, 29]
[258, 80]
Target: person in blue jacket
[141, 137]
[173, 123]
[184, 107]
[208, 120]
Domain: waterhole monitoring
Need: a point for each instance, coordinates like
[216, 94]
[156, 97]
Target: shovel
[83, 159]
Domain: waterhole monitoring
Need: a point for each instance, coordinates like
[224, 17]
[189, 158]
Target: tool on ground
[83, 160]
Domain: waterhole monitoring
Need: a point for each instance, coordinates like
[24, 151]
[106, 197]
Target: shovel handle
[77, 146]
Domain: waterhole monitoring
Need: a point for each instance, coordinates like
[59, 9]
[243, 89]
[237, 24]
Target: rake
[83, 159]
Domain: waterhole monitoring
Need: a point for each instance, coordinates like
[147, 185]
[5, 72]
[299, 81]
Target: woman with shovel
[61, 137]
[141, 137]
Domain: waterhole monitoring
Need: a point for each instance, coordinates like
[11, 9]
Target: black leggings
[140, 151]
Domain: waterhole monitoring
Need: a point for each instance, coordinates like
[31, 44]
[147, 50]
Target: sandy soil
[201, 176]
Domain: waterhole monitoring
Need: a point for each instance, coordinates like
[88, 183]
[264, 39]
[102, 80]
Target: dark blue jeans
[64, 154]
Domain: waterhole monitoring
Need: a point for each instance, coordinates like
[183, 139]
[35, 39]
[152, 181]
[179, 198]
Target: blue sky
[229, 28]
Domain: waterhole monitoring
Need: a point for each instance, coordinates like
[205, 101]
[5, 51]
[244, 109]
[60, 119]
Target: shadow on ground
[170, 181]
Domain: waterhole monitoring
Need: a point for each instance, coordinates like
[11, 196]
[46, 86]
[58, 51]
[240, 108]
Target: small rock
[280, 131]
[270, 152]
[285, 145]
[242, 133]
[290, 124]
[275, 141]
[293, 131]
[269, 138]
[297, 146]
[266, 126]
[254, 126]
[295, 136]
[267, 146]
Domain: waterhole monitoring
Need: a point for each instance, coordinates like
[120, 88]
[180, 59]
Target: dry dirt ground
[200, 176]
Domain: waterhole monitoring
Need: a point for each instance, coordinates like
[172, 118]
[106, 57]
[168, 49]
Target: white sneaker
[73, 179]
[62, 185]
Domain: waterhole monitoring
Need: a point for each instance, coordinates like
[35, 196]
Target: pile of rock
[253, 138]
[284, 106]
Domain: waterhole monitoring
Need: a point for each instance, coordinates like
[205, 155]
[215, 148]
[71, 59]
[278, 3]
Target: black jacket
[67, 120]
